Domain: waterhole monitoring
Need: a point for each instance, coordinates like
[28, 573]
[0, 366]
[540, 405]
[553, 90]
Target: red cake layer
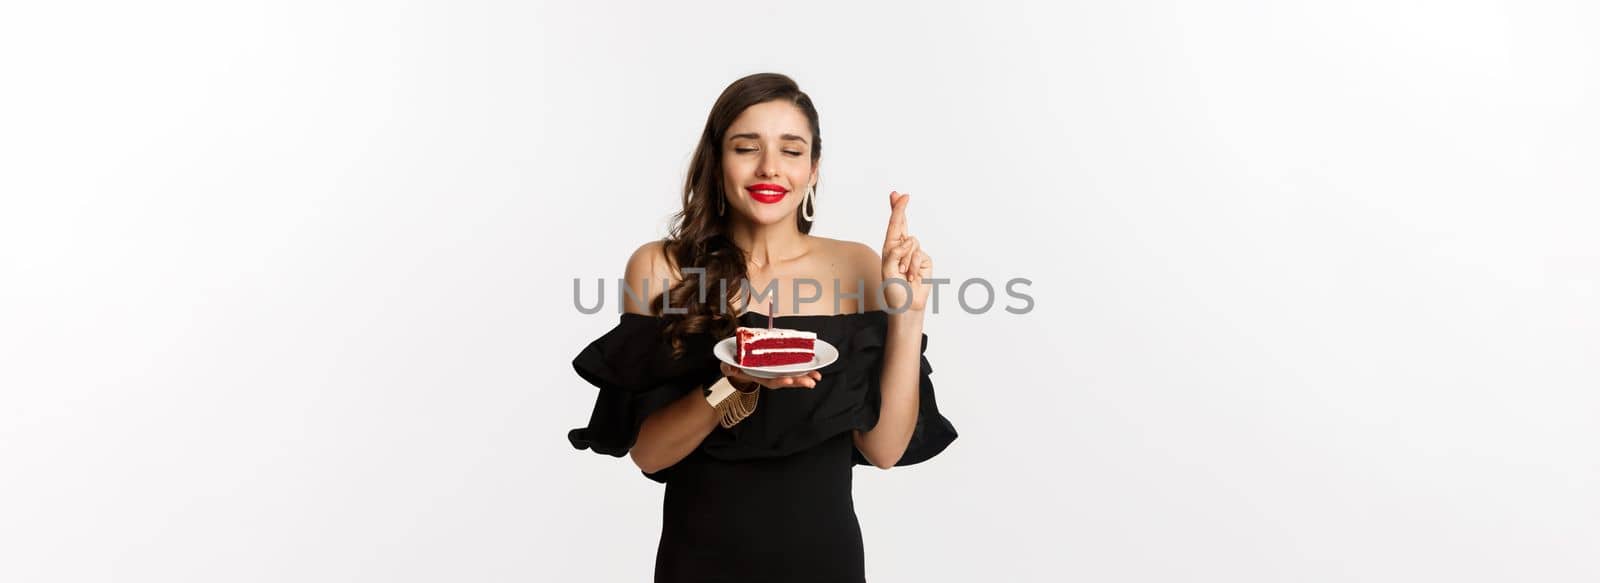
[753, 339]
[777, 358]
[782, 343]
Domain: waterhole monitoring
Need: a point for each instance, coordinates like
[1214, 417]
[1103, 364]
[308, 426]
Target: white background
[286, 287]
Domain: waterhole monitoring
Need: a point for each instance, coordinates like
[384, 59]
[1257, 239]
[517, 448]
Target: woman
[758, 471]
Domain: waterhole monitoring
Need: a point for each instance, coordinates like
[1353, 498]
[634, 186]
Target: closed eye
[748, 150]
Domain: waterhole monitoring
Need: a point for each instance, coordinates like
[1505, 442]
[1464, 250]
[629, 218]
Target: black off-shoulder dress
[768, 499]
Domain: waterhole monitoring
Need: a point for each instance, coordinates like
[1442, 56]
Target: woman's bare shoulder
[853, 261]
[648, 268]
[842, 252]
[857, 258]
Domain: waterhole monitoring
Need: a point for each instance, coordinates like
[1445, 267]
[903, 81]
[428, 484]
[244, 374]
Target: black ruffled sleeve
[933, 432]
[632, 365]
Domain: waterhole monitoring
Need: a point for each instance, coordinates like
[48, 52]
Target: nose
[769, 166]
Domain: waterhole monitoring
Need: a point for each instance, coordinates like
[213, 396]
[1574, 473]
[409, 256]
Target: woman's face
[766, 162]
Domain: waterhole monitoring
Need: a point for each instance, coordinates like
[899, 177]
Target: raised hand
[903, 258]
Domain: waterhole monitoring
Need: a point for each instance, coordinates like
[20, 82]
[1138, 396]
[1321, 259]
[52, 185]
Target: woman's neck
[766, 245]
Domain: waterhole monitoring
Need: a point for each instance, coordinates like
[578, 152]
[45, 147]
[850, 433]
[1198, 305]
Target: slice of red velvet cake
[775, 346]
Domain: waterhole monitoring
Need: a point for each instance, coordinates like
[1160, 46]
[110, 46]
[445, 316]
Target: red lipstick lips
[766, 193]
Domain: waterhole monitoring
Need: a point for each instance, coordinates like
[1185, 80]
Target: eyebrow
[756, 136]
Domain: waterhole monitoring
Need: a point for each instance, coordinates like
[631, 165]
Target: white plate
[727, 351]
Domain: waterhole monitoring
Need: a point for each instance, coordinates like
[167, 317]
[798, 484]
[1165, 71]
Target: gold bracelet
[741, 406]
[732, 404]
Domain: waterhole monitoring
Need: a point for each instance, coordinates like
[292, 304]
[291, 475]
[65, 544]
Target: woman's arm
[900, 387]
[670, 433]
[900, 383]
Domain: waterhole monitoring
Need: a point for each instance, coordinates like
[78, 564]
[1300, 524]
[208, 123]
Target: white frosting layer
[760, 351]
[757, 334]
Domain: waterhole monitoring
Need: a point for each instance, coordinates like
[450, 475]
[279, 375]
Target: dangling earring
[722, 204]
[808, 206]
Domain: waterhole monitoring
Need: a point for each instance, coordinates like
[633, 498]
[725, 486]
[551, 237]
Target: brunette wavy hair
[698, 236]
